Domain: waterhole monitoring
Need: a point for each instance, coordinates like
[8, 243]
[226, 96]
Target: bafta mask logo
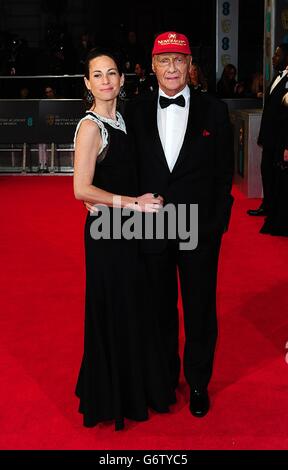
[226, 26]
[50, 119]
[225, 59]
[284, 18]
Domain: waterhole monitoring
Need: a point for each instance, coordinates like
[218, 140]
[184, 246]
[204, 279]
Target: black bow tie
[280, 73]
[165, 102]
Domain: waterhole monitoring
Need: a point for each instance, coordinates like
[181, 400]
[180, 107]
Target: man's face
[49, 92]
[171, 70]
[278, 59]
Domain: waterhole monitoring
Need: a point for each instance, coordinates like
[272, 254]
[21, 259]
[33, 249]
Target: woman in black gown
[123, 370]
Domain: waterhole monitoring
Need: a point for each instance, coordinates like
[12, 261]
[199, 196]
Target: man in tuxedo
[272, 138]
[184, 150]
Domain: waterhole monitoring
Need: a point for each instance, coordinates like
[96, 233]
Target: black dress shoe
[199, 402]
[259, 211]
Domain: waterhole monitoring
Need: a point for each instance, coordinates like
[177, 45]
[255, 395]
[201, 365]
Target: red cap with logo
[171, 42]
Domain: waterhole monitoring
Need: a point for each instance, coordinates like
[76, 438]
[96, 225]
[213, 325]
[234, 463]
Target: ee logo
[226, 8]
[225, 43]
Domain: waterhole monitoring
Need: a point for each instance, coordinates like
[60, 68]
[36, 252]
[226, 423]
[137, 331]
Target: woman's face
[104, 79]
[193, 74]
[231, 74]
[278, 59]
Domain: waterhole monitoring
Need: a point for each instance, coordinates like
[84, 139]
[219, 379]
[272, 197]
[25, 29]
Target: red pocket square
[205, 133]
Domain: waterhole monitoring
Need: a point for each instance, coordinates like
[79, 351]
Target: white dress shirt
[172, 123]
[278, 79]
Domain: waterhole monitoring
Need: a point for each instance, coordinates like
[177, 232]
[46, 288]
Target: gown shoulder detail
[103, 131]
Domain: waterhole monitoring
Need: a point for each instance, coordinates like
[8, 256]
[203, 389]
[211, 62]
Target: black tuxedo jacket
[204, 169]
[273, 132]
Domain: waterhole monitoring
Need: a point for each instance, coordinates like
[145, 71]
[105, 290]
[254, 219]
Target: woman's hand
[148, 202]
[92, 208]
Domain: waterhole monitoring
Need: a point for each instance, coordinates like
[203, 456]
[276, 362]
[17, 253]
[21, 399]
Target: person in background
[134, 51]
[276, 222]
[228, 86]
[256, 88]
[50, 93]
[273, 134]
[24, 93]
[84, 45]
[197, 80]
[143, 82]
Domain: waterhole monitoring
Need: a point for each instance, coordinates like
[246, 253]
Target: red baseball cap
[171, 42]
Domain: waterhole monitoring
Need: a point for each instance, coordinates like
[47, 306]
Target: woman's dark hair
[227, 69]
[201, 77]
[226, 85]
[98, 52]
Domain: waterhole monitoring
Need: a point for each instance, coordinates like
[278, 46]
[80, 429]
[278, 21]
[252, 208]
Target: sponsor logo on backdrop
[284, 18]
[226, 26]
[50, 119]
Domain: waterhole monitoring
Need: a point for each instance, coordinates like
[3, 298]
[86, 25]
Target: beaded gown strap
[117, 123]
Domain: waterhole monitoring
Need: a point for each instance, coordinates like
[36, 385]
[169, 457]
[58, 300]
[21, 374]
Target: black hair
[284, 49]
[98, 52]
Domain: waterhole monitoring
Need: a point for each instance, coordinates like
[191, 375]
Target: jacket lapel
[152, 127]
[279, 85]
[197, 111]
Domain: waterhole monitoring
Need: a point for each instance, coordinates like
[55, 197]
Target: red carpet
[41, 333]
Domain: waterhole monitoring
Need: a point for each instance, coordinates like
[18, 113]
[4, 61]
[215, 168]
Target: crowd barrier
[247, 176]
[29, 127]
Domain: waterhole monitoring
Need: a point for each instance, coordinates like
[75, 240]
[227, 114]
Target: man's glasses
[166, 61]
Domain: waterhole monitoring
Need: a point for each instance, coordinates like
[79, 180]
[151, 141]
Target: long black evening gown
[123, 371]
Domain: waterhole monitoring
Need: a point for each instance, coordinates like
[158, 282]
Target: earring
[89, 97]
[122, 92]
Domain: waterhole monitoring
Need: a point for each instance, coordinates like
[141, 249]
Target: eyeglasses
[166, 61]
